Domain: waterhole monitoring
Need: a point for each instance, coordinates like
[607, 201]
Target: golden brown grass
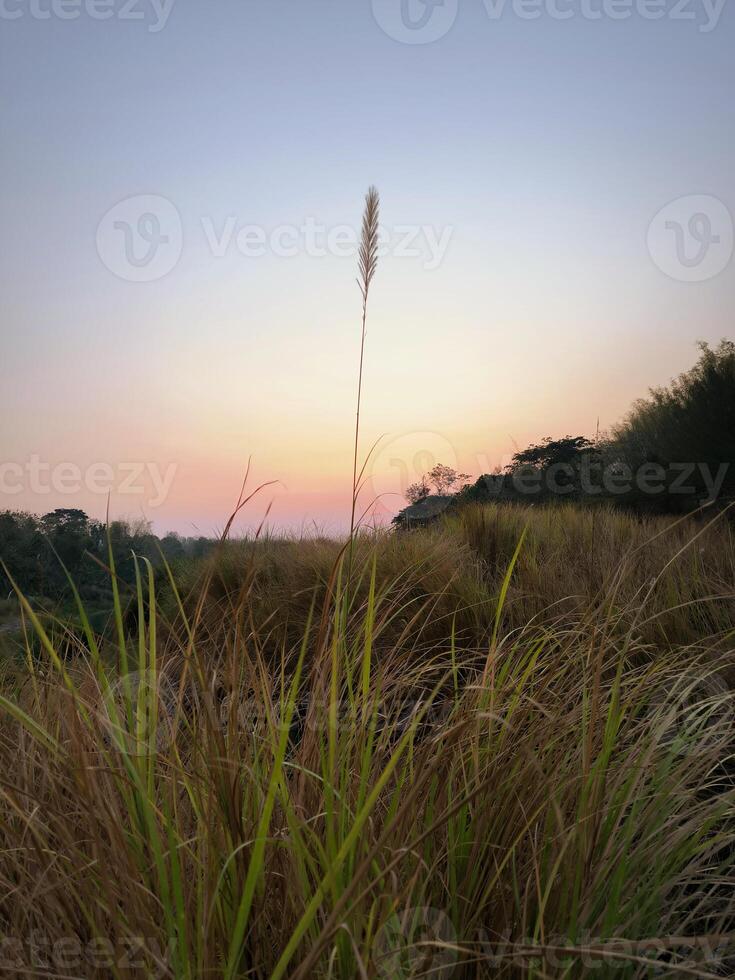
[485, 760]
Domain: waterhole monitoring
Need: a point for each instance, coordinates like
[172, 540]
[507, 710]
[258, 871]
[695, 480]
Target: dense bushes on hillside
[690, 421]
[673, 452]
[34, 548]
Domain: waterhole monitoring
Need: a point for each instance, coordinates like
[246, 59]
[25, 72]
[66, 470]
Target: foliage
[448, 772]
[683, 435]
[551, 452]
[36, 549]
[563, 459]
[418, 491]
[440, 479]
[691, 420]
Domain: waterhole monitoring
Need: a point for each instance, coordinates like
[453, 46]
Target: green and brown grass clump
[505, 750]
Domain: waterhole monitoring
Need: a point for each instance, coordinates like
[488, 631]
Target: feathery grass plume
[367, 264]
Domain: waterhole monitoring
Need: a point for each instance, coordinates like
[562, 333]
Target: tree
[24, 552]
[691, 421]
[418, 491]
[549, 452]
[65, 519]
[441, 479]
[559, 461]
[444, 479]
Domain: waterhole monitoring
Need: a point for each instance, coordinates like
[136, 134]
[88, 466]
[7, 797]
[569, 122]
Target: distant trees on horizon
[673, 450]
[33, 548]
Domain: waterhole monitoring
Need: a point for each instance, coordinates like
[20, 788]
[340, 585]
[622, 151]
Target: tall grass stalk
[367, 264]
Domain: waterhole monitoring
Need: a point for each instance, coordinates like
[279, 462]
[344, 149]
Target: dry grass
[480, 760]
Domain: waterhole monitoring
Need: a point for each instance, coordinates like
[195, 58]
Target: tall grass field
[498, 747]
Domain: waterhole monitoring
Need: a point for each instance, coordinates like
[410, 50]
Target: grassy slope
[484, 760]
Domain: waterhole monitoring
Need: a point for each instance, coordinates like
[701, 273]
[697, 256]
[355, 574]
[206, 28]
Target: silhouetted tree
[440, 479]
[550, 452]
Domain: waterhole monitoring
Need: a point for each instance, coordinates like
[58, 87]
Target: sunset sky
[536, 152]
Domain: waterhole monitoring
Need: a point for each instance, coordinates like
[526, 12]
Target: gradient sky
[545, 147]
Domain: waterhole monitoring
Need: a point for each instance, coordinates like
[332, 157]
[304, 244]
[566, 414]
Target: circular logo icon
[417, 942]
[694, 716]
[137, 712]
[415, 21]
[691, 238]
[405, 460]
[140, 239]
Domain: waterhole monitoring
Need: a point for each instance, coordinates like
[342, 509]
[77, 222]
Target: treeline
[35, 549]
[690, 421]
[673, 452]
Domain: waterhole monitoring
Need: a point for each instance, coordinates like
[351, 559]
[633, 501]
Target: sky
[182, 184]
